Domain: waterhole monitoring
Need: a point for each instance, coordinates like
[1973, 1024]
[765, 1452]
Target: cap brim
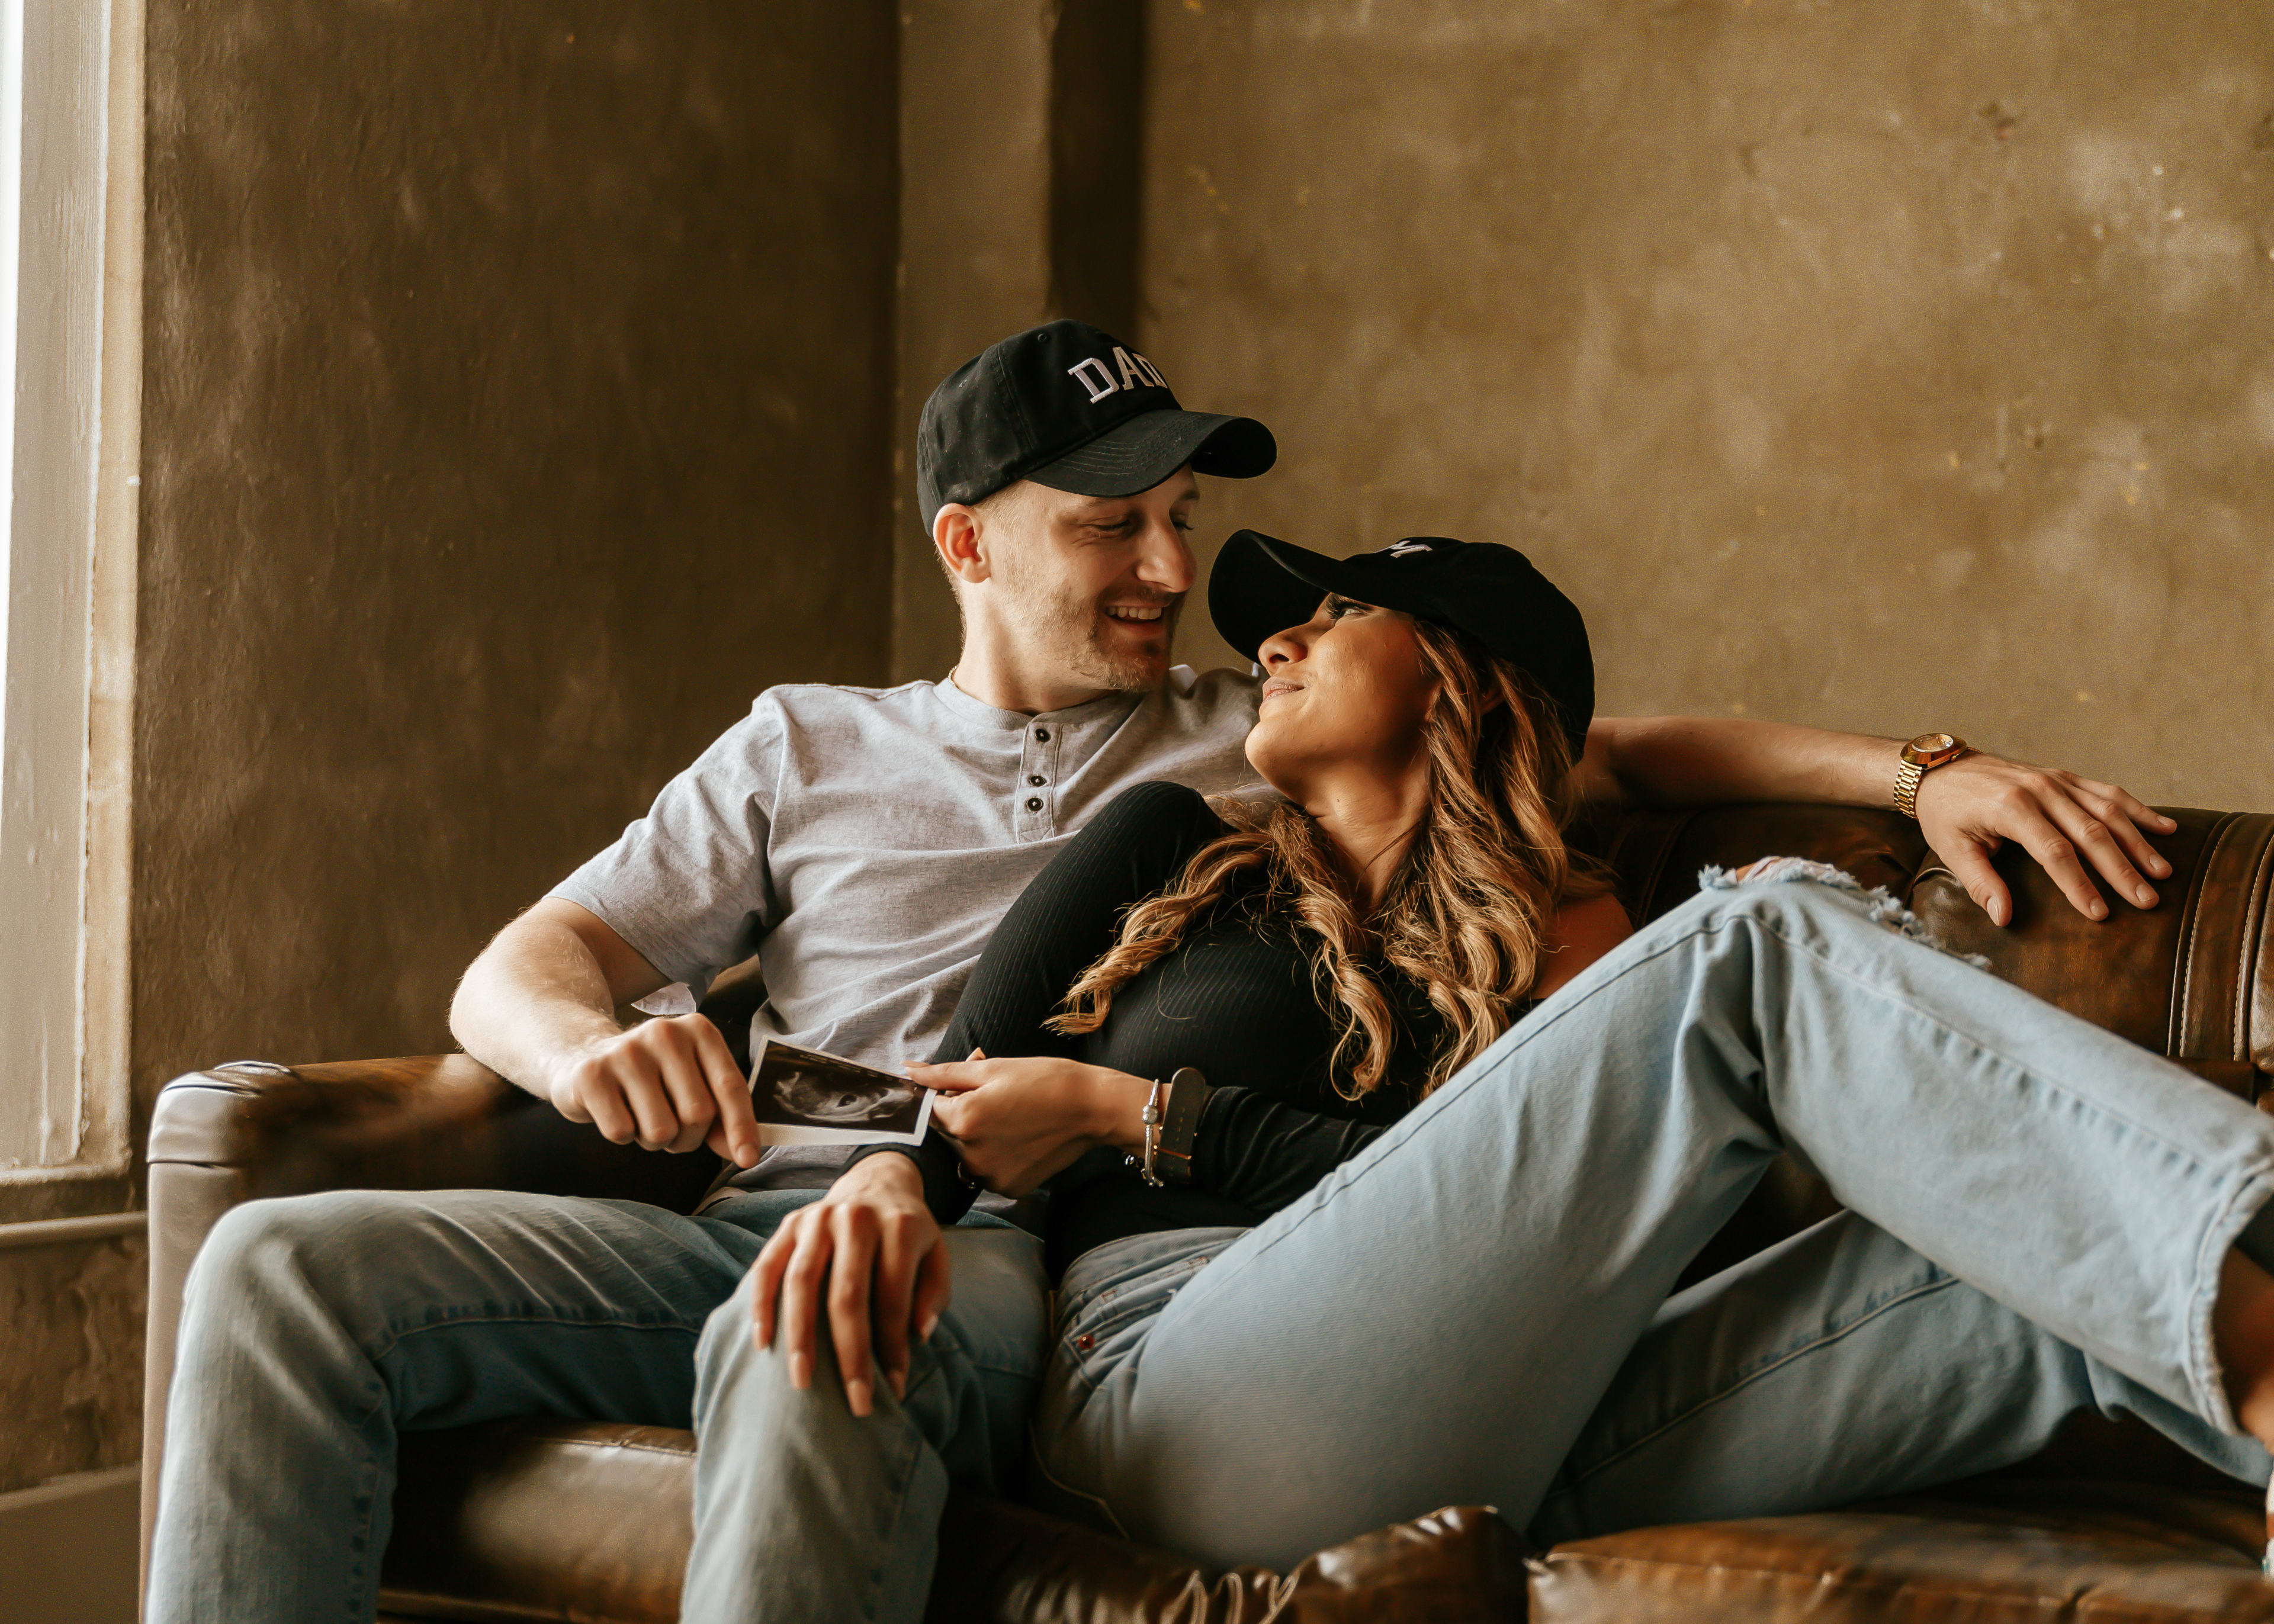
[1136, 455]
[1261, 586]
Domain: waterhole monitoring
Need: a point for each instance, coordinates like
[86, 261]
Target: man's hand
[1017, 1122]
[874, 1246]
[668, 1084]
[1977, 803]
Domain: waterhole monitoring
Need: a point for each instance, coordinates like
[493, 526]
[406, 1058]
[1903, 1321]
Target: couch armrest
[429, 1122]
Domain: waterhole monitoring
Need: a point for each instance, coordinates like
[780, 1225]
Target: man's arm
[539, 1006]
[1966, 809]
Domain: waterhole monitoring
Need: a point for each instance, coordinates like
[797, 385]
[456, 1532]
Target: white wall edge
[75, 1486]
[61, 1231]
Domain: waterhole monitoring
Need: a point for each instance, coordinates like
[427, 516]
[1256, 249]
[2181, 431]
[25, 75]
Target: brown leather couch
[544, 1519]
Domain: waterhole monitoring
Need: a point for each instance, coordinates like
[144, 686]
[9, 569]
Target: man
[862, 842]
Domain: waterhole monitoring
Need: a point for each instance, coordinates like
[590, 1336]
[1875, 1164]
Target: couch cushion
[541, 1519]
[588, 1521]
[1987, 1552]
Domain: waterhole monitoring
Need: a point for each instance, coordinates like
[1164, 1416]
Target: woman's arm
[1061, 922]
[1258, 1151]
[1966, 810]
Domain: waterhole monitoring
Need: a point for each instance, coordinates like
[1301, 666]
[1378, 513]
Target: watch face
[1933, 749]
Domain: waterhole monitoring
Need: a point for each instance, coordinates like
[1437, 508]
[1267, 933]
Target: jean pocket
[1107, 1308]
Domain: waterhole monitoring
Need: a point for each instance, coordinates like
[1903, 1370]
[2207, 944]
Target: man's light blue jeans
[1475, 1309]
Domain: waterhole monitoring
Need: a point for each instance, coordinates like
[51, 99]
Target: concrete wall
[71, 1368]
[517, 405]
[1882, 365]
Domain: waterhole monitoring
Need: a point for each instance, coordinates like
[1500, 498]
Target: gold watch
[1920, 756]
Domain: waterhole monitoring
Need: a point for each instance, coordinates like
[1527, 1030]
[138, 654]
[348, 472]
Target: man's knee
[996, 1319]
[354, 1255]
[258, 1245]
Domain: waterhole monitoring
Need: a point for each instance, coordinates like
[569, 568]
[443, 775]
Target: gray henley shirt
[864, 842]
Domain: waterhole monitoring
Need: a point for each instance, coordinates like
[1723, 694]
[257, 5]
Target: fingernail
[2145, 897]
[801, 1371]
[930, 1324]
[900, 1381]
[2098, 910]
[858, 1394]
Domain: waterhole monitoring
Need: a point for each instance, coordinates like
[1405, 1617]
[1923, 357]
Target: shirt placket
[1035, 795]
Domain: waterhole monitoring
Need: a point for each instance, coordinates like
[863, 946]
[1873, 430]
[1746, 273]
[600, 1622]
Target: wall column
[1020, 153]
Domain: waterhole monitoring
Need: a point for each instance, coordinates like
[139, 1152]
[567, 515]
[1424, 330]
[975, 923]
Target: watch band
[1180, 1125]
[1919, 757]
[1908, 774]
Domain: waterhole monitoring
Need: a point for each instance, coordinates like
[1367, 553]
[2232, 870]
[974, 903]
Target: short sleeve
[688, 885]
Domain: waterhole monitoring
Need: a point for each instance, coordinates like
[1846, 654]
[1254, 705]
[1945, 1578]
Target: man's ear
[955, 534]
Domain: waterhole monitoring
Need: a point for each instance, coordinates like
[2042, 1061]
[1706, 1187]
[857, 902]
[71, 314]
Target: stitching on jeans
[396, 1339]
[366, 1555]
[907, 1474]
[1761, 1371]
[1034, 1458]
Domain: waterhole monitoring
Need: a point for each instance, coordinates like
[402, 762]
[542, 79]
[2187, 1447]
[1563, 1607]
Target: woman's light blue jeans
[1476, 1309]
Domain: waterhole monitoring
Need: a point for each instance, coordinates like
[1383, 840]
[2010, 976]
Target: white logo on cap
[1402, 549]
[1136, 371]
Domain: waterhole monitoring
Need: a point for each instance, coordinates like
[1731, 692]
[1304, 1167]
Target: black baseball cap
[1486, 592]
[1067, 406]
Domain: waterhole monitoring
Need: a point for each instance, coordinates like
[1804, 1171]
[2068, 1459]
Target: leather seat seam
[1821, 1581]
[677, 1454]
[2254, 917]
[2184, 994]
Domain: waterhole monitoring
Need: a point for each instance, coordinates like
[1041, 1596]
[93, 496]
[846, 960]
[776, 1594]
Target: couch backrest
[2193, 978]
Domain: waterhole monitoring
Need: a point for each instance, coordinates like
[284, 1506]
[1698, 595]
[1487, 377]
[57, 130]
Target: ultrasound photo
[802, 1096]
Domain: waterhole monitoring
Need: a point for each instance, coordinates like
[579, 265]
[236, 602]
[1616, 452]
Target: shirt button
[1085, 1341]
[1037, 780]
[1042, 734]
[1033, 803]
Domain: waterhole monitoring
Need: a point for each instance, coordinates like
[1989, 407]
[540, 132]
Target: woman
[1425, 1251]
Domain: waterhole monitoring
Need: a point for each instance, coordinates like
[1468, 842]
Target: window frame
[71, 136]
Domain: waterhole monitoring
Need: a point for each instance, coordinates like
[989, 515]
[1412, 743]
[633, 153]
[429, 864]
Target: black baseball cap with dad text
[1065, 405]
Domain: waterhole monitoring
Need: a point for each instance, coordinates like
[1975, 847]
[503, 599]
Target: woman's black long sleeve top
[1235, 999]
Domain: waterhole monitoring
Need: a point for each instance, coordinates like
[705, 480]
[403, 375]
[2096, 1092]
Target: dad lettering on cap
[1070, 407]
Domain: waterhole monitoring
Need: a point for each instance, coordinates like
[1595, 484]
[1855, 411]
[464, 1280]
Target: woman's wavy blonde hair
[1467, 911]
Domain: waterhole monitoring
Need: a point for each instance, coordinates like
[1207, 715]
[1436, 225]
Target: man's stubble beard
[1075, 628]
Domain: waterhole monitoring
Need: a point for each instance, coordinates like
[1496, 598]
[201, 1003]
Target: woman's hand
[1967, 810]
[1017, 1122]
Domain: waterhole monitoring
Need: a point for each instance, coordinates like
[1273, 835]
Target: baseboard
[69, 1549]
